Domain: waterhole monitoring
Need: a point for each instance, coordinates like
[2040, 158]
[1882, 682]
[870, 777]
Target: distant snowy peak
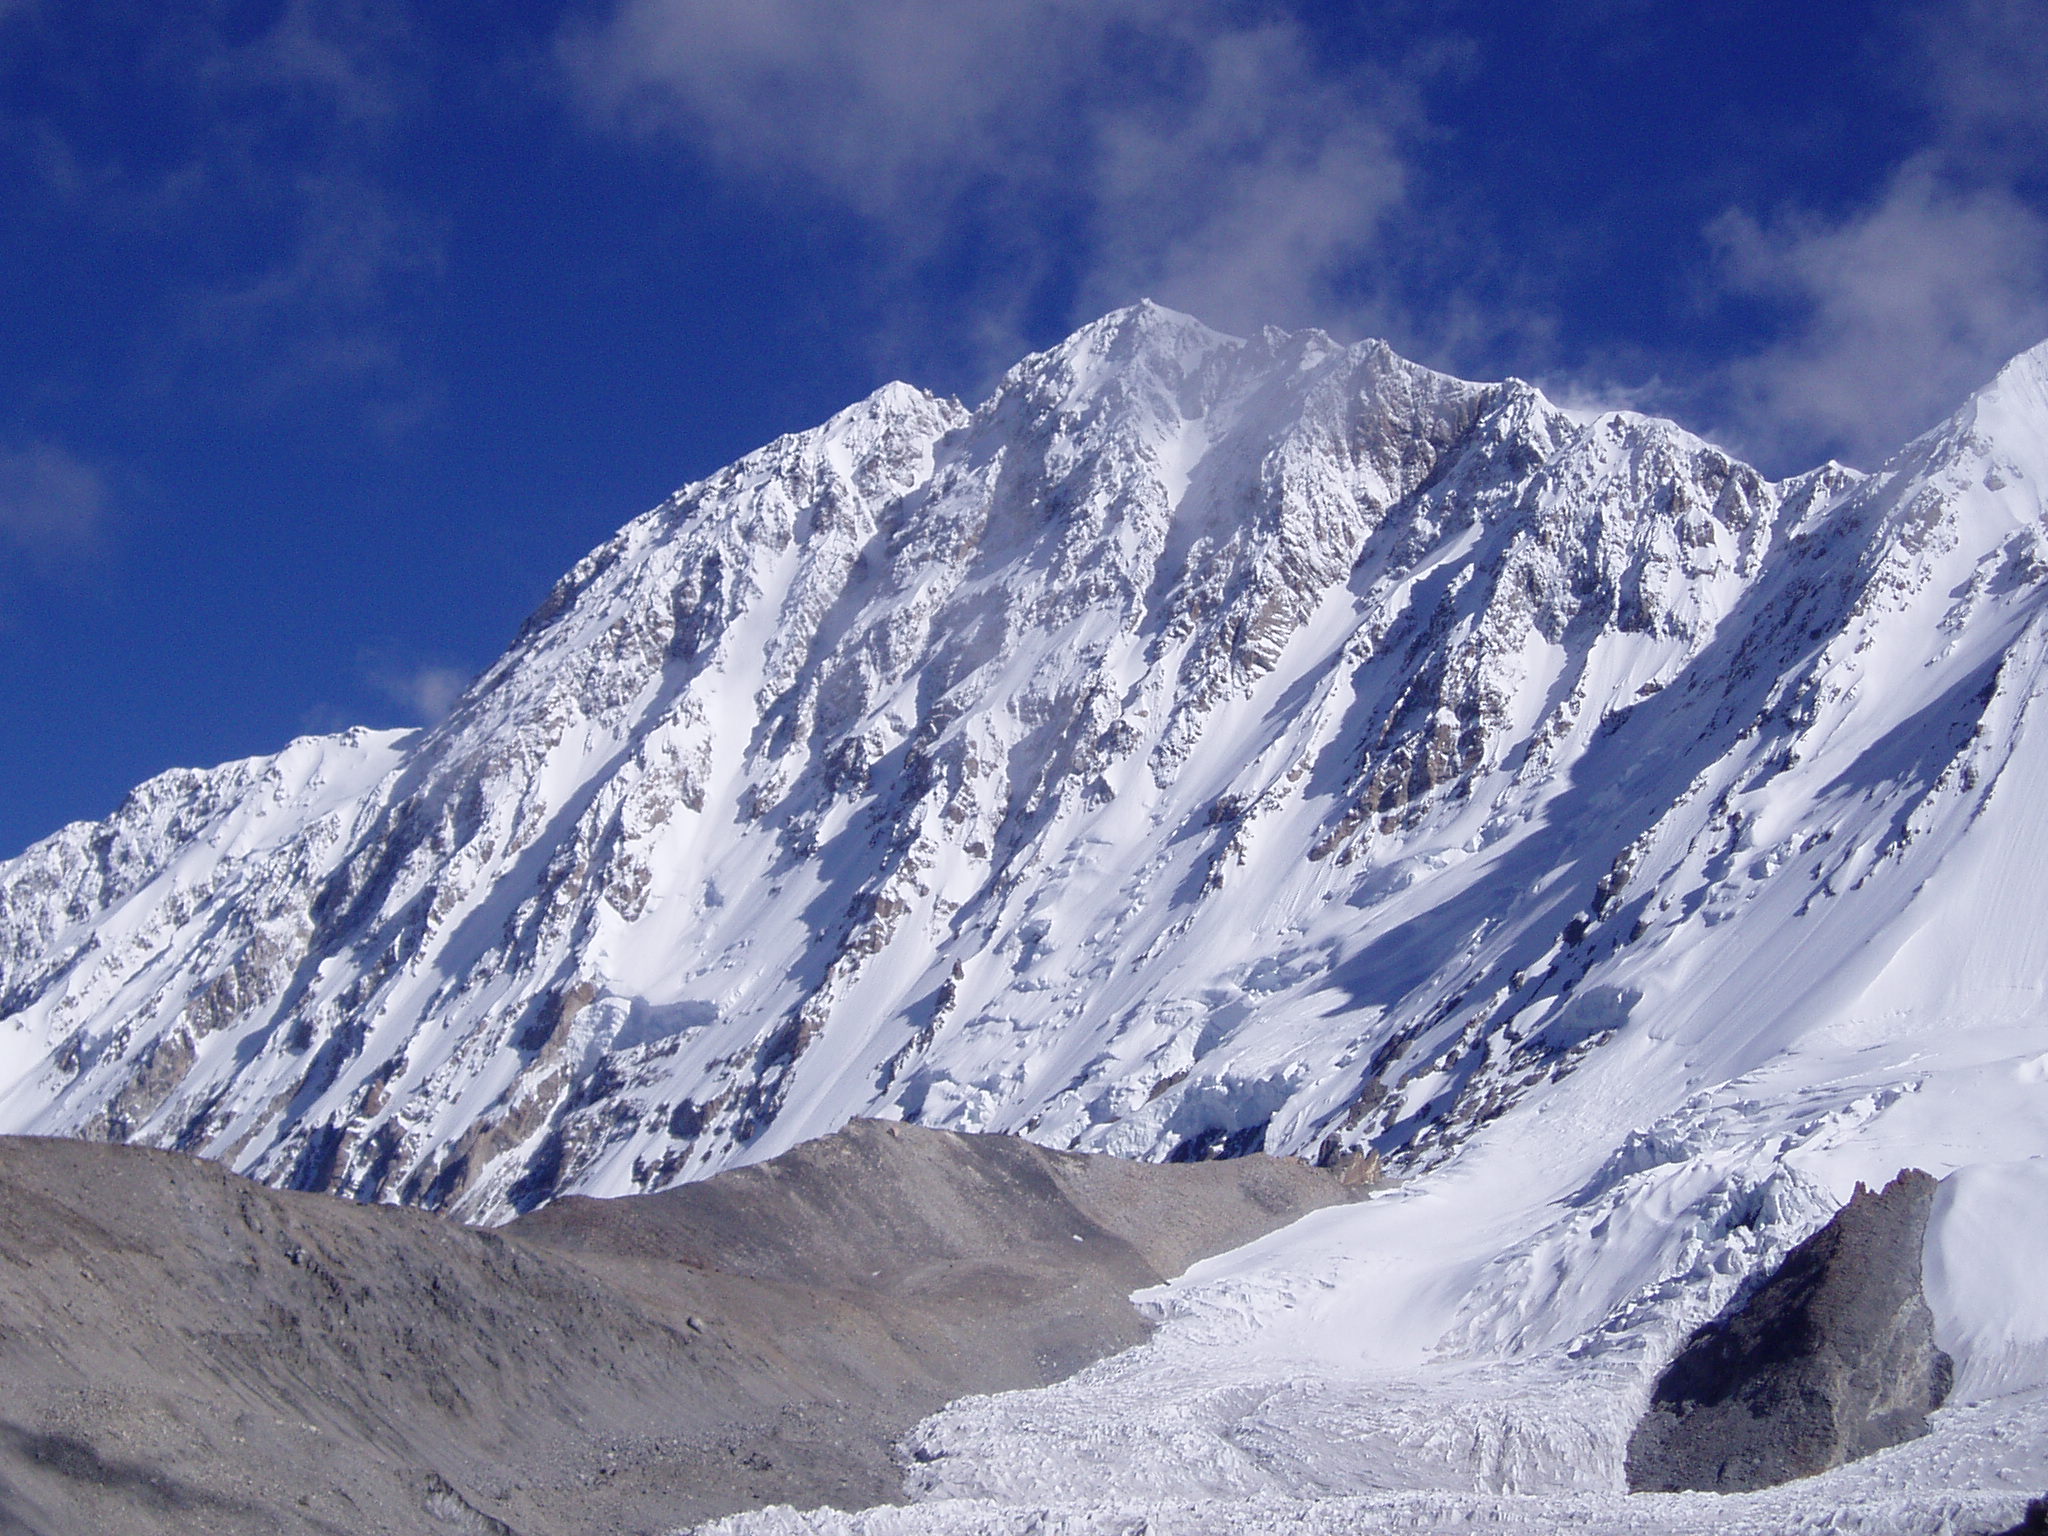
[1202, 744]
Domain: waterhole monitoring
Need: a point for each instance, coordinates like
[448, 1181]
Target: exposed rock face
[1204, 745]
[306, 1365]
[1830, 1359]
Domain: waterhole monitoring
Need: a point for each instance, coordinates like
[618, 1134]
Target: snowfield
[1203, 745]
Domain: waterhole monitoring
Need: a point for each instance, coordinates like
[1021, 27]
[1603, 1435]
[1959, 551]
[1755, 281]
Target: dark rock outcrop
[1830, 1359]
[183, 1350]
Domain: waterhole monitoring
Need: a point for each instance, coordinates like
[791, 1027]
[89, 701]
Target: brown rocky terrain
[185, 1350]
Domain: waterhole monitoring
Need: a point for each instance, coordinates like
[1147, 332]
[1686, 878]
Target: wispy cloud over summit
[1897, 306]
[1907, 306]
[1096, 150]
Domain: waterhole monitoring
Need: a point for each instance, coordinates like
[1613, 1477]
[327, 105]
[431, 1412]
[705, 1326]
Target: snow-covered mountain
[1201, 745]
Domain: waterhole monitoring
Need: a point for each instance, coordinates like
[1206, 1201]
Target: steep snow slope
[1202, 745]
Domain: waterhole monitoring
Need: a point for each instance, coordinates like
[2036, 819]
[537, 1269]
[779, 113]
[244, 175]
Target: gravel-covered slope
[182, 1349]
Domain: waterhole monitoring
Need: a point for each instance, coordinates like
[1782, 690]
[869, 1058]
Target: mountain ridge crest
[1201, 745]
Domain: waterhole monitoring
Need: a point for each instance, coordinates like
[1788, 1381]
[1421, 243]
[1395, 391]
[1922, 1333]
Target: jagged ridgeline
[1203, 745]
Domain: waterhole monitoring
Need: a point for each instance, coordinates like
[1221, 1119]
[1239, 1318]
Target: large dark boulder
[1830, 1359]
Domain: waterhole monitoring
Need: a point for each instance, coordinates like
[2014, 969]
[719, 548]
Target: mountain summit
[1203, 745]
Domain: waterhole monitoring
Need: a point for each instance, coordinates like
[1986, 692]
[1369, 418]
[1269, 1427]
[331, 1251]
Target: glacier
[1203, 745]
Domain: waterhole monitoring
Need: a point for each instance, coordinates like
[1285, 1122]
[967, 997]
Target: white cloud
[1245, 198]
[1906, 306]
[324, 311]
[426, 692]
[1116, 147]
[52, 504]
[347, 58]
[296, 263]
[1981, 64]
[864, 97]
[1897, 310]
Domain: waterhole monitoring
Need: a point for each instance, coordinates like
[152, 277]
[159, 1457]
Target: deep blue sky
[335, 330]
